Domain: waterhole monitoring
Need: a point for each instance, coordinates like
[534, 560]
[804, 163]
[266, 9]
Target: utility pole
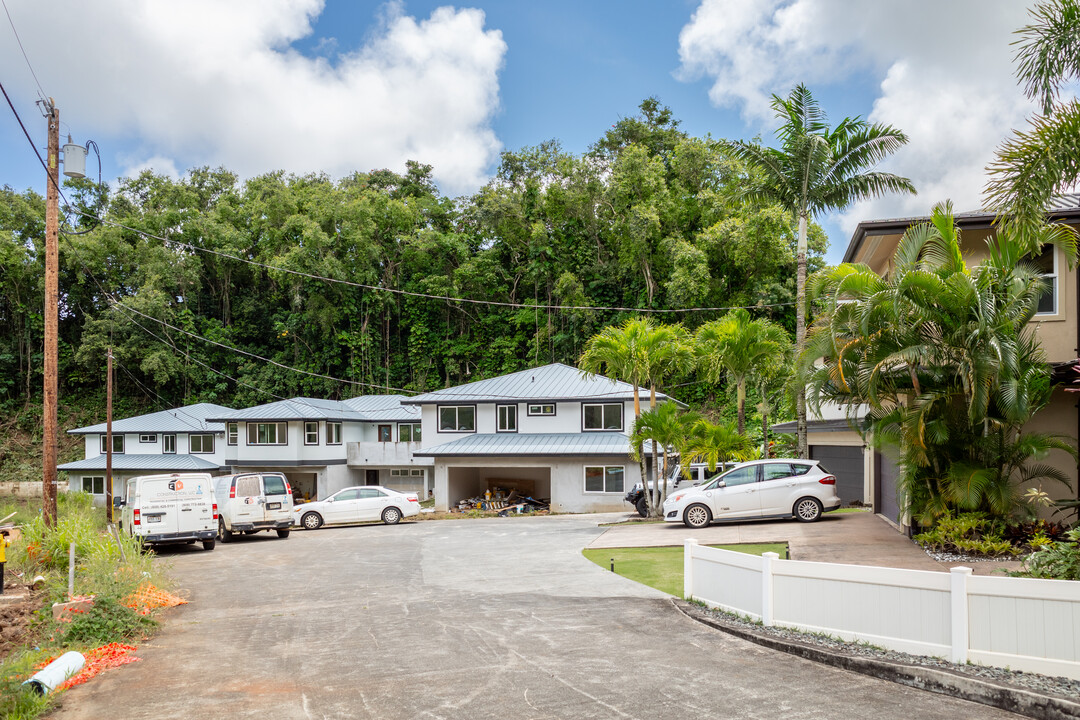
[52, 316]
[108, 437]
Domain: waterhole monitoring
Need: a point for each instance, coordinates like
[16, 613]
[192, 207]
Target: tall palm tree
[714, 445]
[735, 345]
[1034, 166]
[817, 169]
[668, 428]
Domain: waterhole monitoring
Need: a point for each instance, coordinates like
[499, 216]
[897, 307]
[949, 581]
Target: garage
[846, 463]
[886, 497]
[465, 482]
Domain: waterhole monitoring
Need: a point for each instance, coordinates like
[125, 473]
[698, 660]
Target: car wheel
[643, 507]
[697, 516]
[808, 509]
[223, 533]
[208, 544]
[283, 533]
[391, 516]
[311, 521]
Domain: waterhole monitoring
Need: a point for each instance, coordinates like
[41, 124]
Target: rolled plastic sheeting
[56, 672]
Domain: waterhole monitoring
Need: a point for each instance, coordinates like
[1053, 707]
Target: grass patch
[850, 510]
[662, 567]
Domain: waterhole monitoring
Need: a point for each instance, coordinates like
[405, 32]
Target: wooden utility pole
[52, 316]
[108, 437]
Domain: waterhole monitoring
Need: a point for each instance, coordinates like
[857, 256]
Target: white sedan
[777, 488]
[365, 503]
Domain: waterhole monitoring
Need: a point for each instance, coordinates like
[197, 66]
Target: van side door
[246, 499]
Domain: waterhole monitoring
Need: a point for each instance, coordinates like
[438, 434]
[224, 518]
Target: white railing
[1024, 624]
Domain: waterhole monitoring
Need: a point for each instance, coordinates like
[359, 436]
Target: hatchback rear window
[274, 484]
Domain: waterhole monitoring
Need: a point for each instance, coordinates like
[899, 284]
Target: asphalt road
[500, 618]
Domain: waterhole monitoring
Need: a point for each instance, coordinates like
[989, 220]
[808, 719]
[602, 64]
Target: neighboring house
[833, 440]
[322, 446]
[178, 440]
[548, 433]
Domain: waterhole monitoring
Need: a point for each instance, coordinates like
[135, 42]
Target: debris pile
[504, 503]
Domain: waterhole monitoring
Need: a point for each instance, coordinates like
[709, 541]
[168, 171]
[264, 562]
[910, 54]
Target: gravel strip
[1062, 687]
[959, 557]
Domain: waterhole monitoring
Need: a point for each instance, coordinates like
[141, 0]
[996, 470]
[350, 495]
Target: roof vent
[534, 378]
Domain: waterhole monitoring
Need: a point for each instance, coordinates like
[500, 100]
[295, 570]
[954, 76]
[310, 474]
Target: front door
[371, 477]
[344, 506]
[778, 488]
[735, 494]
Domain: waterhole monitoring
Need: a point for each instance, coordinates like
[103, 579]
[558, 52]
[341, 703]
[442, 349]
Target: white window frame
[202, 450]
[621, 409]
[541, 410]
[415, 432]
[604, 469]
[168, 444]
[456, 409]
[418, 472]
[311, 437]
[93, 479]
[281, 433]
[333, 432]
[148, 438]
[1053, 278]
[502, 412]
[232, 433]
[117, 438]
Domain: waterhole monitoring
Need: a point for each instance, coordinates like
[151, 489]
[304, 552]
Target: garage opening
[846, 463]
[304, 485]
[467, 483]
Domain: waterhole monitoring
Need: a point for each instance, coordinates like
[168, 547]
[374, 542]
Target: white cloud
[944, 70]
[217, 83]
[133, 165]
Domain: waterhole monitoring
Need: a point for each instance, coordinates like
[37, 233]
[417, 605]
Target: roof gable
[190, 418]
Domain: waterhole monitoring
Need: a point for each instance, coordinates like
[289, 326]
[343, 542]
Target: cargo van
[169, 509]
[251, 502]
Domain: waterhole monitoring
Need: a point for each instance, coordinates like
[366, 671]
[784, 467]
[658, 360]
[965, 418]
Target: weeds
[18, 702]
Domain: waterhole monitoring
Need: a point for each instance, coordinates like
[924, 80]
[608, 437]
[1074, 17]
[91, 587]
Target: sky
[338, 86]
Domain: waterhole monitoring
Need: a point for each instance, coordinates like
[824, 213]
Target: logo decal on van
[176, 484]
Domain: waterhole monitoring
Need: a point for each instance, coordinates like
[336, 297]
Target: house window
[168, 444]
[267, 433]
[311, 433]
[607, 416]
[457, 418]
[408, 432]
[232, 436]
[94, 485]
[604, 479]
[201, 443]
[506, 416]
[148, 438]
[333, 433]
[386, 433]
[117, 443]
[542, 409]
[1047, 267]
[417, 473]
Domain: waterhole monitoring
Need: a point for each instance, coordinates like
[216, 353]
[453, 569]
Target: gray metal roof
[548, 383]
[187, 419]
[532, 445]
[155, 463]
[357, 409]
[837, 425]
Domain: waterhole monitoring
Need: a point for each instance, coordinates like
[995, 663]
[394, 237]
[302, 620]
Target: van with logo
[251, 502]
[169, 509]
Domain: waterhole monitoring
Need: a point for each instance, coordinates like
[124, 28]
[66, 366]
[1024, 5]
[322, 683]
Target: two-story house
[870, 476]
[322, 446]
[549, 433]
[183, 439]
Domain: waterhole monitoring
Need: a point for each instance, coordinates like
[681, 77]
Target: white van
[169, 509]
[250, 502]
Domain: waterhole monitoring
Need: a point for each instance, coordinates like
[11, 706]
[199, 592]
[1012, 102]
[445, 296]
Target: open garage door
[846, 463]
[464, 483]
[886, 501]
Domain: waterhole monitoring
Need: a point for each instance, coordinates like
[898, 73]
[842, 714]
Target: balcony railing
[388, 454]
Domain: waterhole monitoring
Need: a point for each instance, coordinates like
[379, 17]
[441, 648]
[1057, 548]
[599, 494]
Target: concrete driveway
[499, 618]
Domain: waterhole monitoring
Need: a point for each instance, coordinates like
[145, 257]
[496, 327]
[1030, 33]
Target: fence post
[767, 588]
[688, 568]
[958, 581]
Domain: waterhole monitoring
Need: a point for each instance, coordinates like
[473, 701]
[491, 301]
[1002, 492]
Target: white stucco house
[549, 433]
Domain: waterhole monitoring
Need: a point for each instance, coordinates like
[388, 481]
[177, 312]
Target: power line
[11, 22]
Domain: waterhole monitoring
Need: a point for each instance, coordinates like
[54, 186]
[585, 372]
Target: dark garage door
[846, 463]
[886, 501]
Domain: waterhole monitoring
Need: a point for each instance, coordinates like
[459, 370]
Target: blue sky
[302, 85]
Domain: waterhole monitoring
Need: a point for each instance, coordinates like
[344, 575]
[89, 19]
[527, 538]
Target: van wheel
[283, 533]
[311, 521]
[208, 544]
[223, 533]
[391, 516]
[643, 507]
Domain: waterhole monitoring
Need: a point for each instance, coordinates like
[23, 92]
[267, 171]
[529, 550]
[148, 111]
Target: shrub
[972, 533]
[1055, 561]
[16, 701]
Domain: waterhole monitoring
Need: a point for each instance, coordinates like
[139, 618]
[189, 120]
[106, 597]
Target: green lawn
[662, 567]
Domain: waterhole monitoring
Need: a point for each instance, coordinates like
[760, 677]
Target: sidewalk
[846, 538]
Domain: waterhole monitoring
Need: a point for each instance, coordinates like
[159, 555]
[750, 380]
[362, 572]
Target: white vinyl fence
[1031, 625]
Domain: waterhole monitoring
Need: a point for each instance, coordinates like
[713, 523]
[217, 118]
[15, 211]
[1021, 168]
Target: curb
[1023, 702]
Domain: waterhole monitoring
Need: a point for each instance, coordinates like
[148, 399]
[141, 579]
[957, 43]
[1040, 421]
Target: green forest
[192, 282]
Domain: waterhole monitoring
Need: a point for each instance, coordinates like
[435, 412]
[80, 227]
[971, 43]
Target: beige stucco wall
[1059, 418]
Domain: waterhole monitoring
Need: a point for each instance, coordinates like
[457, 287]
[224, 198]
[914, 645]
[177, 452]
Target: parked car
[699, 473]
[775, 488]
[253, 502]
[365, 503]
[169, 509]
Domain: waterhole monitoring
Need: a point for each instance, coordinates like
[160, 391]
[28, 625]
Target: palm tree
[714, 445]
[736, 345]
[817, 169]
[1034, 166]
[667, 427]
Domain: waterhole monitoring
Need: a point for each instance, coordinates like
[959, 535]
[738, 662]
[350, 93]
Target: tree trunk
[641, 454]
[740, 397]
[800, 337]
